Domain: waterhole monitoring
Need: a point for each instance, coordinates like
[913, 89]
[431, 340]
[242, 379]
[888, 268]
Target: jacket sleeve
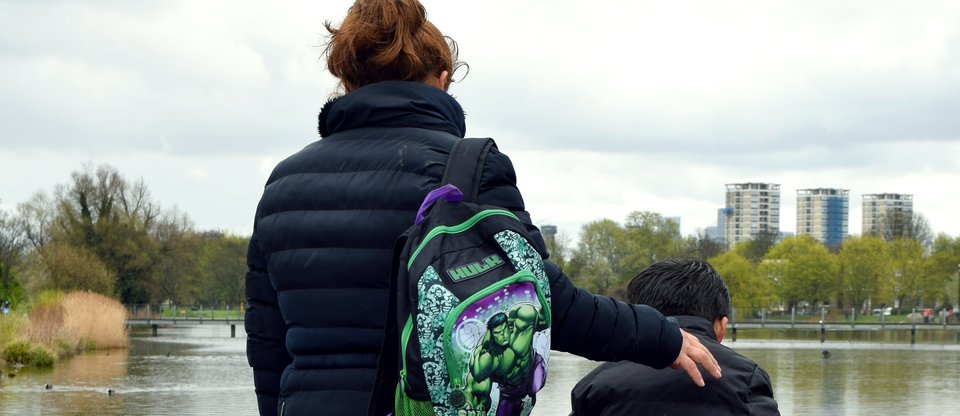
[760, 400]
[498, 187]
[604, 329]
[266, 331]
[595, 327]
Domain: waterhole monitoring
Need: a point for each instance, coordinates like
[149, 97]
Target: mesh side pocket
[405, 406]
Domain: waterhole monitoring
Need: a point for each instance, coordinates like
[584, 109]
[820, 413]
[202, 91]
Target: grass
[11, 326]
[57, 325]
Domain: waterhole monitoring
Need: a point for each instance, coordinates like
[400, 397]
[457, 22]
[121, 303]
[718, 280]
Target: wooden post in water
[154, 329]
[735, 334]
[853, 317]
[913, 333]
[823, 332]
[793, 315]
[233, 331]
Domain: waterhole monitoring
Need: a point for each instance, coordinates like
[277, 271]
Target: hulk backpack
[468, 328]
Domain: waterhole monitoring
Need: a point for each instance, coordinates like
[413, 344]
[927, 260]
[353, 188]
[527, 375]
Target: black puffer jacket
[628, 389]
[319, 259]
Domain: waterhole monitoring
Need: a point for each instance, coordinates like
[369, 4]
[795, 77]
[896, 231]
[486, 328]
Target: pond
[201, 370]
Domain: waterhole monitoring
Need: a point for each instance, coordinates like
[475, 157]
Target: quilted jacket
[319, 258]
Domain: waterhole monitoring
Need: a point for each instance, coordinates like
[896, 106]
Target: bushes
[40, 356]
[58, 325]
[23, 353]
[17, 353]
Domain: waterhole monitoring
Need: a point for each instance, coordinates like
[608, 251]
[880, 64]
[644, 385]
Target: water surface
[201, 370]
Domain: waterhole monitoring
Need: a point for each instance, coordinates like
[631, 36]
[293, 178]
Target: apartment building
[823, 214]
[887, 215]
[751, 209]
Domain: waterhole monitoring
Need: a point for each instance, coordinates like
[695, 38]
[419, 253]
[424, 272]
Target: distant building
[752, 209]
[887, 215]
[549, 231]
[823, 214]
[713, 233]
[717, 233]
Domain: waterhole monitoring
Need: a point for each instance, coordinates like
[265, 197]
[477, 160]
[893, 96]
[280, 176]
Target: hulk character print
[504, 354]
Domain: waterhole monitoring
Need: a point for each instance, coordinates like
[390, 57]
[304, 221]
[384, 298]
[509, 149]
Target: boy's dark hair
[681, 287]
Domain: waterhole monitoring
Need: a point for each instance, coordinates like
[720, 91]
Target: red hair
[382, 40]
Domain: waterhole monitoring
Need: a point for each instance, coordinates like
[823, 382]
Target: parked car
[884, 311]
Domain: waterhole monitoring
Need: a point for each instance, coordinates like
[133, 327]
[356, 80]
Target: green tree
[909, 285]
[866, 271]
[59, 266]
[649, 237]
[598, 258]
[102, 211]
[943, 263]
[176, 268]
[749, 289]
[803, 270]
[757, 247]
[222, 265]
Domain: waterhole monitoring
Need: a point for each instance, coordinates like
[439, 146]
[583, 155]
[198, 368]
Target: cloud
[606, 107]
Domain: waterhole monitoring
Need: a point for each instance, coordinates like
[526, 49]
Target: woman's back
[320, 256]
[325, 230]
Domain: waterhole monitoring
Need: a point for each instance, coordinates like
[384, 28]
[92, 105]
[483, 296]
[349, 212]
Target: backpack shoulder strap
[465, 165]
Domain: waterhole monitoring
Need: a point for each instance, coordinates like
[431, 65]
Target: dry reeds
[45, 323]
[94, 320]
[65, 324]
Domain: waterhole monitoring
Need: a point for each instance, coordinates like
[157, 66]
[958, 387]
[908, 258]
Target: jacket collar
[697, 325]
[393, 104]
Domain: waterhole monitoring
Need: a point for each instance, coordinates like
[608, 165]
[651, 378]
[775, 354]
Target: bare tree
[35, 218]
[903, 224]
[918, 228]
[12, 248]
[559, 248]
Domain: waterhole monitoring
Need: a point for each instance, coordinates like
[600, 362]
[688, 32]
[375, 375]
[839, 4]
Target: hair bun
[383, 40]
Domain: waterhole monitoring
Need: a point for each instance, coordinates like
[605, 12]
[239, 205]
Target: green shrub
[41, 357]
[16, 353]
[47, 298]
[64, 348]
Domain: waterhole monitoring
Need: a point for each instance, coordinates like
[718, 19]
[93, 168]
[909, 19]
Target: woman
[320, 254]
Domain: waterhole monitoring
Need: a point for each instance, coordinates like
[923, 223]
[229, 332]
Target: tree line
[878, 270]
[102, 232]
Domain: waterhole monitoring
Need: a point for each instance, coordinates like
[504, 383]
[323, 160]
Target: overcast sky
[605, 107]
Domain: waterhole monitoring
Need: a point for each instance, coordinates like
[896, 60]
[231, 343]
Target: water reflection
[184, 371]
[201, 370]
[860, 378]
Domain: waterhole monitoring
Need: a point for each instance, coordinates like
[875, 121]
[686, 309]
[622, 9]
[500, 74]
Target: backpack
[468, 329]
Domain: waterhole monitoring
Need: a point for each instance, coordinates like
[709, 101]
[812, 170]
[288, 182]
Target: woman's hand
[692, 352]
